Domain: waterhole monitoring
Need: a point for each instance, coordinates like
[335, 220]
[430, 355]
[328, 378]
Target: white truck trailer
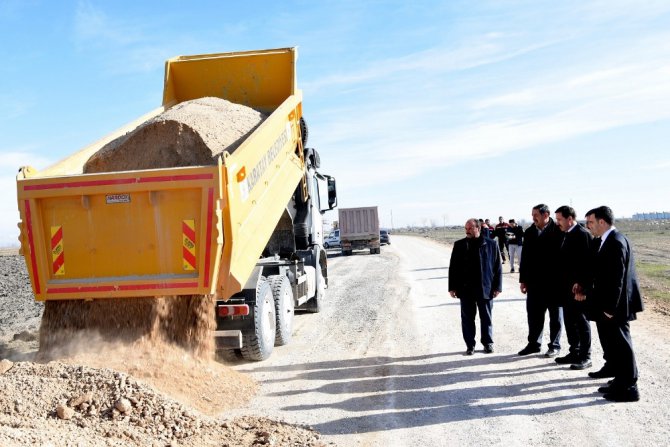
[359, 229]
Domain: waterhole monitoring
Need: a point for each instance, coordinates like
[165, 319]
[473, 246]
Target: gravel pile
[62, 404]
[111, 395]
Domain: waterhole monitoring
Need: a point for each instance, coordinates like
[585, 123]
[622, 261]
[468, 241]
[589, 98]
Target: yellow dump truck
[246, 229]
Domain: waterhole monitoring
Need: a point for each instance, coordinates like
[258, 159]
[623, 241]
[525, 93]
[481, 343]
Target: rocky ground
[107, 395]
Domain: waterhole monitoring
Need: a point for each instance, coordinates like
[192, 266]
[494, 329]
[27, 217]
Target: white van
[333, 239]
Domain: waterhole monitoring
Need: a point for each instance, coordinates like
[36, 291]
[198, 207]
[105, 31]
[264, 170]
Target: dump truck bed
[177, 231]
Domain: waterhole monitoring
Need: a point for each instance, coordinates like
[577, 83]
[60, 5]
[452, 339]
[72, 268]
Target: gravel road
[383, 365]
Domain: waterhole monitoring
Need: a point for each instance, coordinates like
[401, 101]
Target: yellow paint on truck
[125, 231]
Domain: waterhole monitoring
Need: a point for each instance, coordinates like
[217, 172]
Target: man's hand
[523, 287]
[609, 317]
[452, 293]
[496, 293]
[580, 296]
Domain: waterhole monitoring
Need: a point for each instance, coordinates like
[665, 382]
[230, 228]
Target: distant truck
[359, 229]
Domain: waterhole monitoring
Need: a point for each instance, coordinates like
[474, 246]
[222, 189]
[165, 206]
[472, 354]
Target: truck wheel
[284, 306]
[304, 132]
[325, 245]
[315, 304]
[259, 342]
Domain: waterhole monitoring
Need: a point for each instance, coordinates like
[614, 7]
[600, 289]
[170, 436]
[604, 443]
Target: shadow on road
[408, 392]
[430, 268]
[455, 302]
[331, 253]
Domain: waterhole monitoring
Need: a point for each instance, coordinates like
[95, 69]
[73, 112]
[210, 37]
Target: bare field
[651, 247]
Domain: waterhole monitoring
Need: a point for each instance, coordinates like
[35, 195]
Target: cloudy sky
[434, 112]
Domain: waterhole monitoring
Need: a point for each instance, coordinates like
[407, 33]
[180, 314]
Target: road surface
[383, 365]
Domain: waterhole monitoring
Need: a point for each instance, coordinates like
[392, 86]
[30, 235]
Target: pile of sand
[192, 133]
[175, 398]
[63, 404]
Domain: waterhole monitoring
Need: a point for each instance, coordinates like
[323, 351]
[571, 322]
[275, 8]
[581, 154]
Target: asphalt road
[383, 365]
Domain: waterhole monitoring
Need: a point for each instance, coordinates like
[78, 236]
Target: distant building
[652, 216]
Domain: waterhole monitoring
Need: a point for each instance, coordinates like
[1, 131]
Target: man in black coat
[573, 260]
[475, 277]
[500, 232]
[615, 299]
[515, 236]
[538, 278]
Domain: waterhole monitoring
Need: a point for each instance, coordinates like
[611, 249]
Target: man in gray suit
[614, 299]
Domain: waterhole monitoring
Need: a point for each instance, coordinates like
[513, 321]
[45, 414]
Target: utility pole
[391, 220]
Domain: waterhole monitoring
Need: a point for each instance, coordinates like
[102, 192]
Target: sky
[435, 112]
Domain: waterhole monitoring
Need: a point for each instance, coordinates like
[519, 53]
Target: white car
[333, 240]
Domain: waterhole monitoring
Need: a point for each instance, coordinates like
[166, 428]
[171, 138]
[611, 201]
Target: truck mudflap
[122, 234]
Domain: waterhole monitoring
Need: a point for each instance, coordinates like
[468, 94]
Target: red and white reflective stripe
[230, 310]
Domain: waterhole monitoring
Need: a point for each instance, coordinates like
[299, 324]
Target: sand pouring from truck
[185, 224]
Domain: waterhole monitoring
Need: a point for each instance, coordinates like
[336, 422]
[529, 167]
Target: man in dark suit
[538, 278]
[573, 258]
[615, 299]
[475, 277]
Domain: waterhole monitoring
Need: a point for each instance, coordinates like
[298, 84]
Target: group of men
[576, 274]
[509, 236]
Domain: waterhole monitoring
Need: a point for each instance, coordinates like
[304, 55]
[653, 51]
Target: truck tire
[325, 245]
[284, 308]
[258, 343]
[315, 304]
[304, 132]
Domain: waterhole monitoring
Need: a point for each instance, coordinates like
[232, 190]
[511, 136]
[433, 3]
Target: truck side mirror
[312, 158]
[332, 193]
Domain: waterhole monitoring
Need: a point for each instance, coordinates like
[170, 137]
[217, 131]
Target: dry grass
[9, 251]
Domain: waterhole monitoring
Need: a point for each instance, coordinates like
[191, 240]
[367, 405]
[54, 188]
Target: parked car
[384, 237]
[333, 240]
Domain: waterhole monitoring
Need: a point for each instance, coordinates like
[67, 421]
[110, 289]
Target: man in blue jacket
[475, 277]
